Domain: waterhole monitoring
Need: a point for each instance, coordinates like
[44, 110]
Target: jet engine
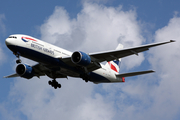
[81, 58]
[25, 71]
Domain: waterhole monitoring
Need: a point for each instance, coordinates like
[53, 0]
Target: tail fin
[115, 64]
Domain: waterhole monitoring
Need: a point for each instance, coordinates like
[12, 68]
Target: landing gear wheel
[17, 54]
[55, 87]
[50, 82]
[59, 85]
[54, 84]
[18, 61]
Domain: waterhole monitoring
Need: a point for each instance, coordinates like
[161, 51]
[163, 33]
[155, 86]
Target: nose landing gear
[18, 61]
[54, 84]
[18, 55]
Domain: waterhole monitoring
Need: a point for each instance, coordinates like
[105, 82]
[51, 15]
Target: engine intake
[25, 71]
[81, 58]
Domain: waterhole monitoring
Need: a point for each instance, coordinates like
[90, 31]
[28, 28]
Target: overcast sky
[93, 26]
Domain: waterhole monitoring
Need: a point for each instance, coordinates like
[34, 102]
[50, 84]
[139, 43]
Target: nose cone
[11, 41]
[11, 44]
[8, 42]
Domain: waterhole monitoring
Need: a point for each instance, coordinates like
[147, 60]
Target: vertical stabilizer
[115, 64]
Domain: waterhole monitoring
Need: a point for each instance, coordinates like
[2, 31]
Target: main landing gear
[85, 77]
[54, 84]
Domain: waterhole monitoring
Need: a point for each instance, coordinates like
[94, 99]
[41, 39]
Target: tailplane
[121, 77]
[134, 73]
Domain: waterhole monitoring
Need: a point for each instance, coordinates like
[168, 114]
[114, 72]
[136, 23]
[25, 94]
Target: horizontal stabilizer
[134, 73]
[13, 75]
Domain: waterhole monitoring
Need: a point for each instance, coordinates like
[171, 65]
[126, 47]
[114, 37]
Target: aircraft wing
[91, 67]
[115, 54]
[11, 76]
[37, 71]
[40, 70]
[112, 55]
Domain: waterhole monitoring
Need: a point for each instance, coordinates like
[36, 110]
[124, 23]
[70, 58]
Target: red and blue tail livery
[115, 65]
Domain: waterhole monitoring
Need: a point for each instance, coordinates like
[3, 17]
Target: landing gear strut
[54, 84]
[85, 77]
[17, 55]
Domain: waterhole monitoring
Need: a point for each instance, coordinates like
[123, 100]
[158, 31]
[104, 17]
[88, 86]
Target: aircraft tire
[18, 61]
[59, 85]
[50, 83]
[54, 84]
[55, 87]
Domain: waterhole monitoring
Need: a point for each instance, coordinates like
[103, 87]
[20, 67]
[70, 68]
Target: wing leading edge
[115, 54]
[11, 76]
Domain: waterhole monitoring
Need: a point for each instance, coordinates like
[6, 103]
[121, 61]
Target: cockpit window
[12, 37]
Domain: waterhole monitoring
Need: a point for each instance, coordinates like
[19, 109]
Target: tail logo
[114, 65]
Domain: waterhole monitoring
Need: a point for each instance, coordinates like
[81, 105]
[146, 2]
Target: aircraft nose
[11, 44]
[8, 41]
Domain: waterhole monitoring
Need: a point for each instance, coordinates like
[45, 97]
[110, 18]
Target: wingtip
[172, 41]
[151, 71]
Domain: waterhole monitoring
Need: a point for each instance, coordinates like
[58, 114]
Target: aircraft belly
[34, 55]
[100, 76]
[96, 78]
[69, 72]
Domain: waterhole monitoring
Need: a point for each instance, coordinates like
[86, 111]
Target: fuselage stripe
[23, 38]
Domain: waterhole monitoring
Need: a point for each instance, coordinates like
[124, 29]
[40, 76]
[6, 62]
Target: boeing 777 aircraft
[56, 62]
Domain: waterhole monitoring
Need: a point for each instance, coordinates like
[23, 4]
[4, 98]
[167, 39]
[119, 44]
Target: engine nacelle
[25, 71]
[81, 58]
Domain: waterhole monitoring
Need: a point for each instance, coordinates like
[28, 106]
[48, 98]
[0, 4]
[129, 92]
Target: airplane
[56, 62]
